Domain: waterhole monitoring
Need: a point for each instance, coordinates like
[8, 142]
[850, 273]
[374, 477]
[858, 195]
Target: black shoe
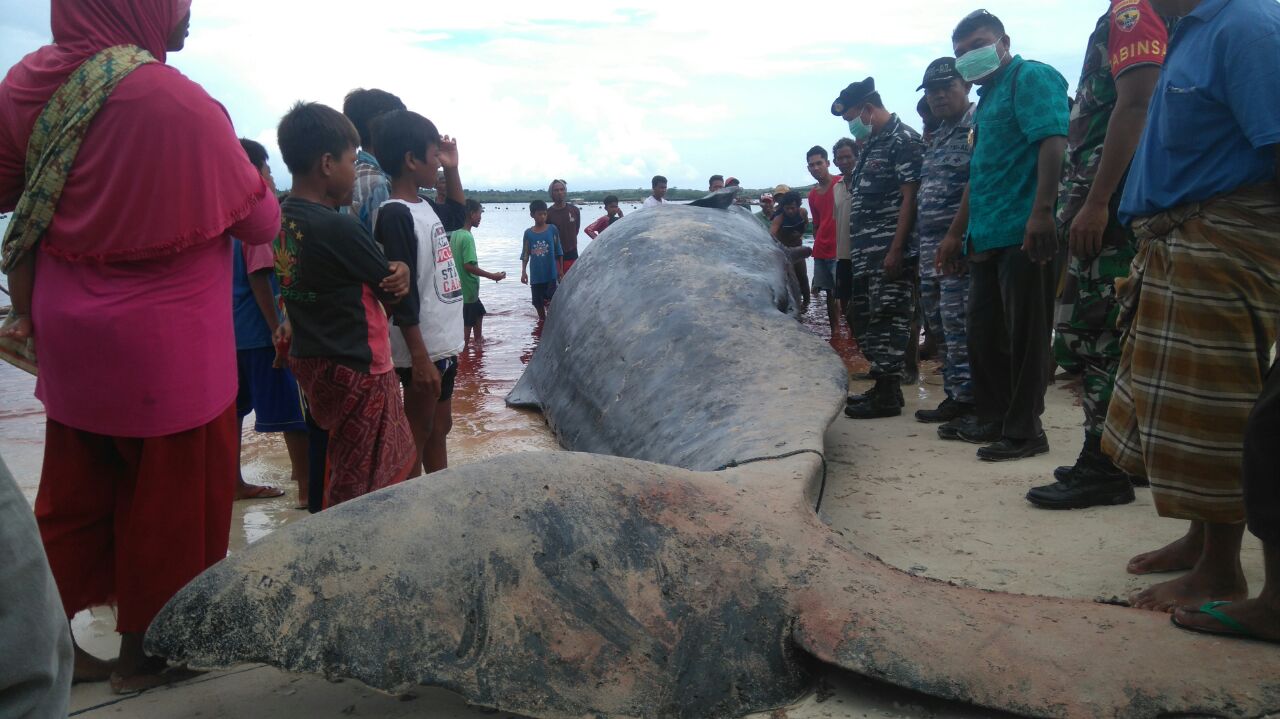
[1008, 449]
[947, 411]
[884, 400]
[1081, 494]
[951, 430]
[978, 432]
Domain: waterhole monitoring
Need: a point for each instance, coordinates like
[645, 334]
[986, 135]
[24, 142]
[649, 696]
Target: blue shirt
[542, 249]
[252, 331]
[1216, 110]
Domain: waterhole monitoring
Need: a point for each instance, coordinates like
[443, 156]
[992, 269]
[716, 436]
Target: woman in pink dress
[129, 313]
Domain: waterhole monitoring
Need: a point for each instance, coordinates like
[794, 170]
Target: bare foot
[149, 674]
[89, 669]
[17, 329]
[257, 491]
[1259, 618]
[1193, 589]
[1177, 556]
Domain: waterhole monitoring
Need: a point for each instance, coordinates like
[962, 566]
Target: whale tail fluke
[1034, 656]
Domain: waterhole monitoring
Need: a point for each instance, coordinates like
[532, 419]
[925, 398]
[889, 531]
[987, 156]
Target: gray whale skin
[673, 564]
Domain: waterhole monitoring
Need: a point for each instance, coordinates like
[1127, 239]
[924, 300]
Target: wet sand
[894, 490]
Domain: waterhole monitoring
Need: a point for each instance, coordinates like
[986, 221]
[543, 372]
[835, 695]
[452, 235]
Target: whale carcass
[672, 565]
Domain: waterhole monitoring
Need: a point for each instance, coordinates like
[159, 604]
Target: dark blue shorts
[448, 368]
[472, 312]
[542, 293]
[270, 393]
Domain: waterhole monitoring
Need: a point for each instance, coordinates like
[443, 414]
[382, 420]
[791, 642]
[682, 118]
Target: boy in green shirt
[464, 255]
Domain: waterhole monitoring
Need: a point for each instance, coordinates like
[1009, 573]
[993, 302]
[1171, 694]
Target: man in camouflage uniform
[1122, 65]
[945, 298]
[882, 236]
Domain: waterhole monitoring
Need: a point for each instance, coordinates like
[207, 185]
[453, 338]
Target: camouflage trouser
[945, 301]
[1087, 337]
[880, 314]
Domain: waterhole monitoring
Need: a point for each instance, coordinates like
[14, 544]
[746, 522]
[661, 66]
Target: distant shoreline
[590, 196]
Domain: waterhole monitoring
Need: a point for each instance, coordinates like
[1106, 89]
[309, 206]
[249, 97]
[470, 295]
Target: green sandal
[1232, 628]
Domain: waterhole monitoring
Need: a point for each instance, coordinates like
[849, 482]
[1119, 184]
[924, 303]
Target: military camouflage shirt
[1130, 34]
[890, 160]
[942, 182]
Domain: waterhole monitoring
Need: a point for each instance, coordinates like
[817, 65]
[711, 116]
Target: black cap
[853, 95]
[941, 70]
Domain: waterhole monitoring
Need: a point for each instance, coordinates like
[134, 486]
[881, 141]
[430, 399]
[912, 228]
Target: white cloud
[603, 94]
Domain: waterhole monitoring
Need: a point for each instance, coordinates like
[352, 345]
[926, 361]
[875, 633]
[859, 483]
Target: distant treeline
[631, 195]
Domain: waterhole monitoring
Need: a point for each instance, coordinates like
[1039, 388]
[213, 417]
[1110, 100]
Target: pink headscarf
[160, 169]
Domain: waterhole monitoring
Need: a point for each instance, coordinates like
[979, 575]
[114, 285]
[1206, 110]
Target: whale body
[672, 564]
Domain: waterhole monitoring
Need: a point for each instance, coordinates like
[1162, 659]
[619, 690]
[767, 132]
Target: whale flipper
[524, 395]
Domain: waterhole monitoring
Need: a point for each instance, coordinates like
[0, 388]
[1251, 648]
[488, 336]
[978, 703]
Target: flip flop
[1232, 629]
[261, 491]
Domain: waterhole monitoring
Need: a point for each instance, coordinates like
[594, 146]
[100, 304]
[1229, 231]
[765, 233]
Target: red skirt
[132, 520]
[370, 445]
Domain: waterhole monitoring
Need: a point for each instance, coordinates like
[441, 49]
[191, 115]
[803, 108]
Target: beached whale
[674, 565]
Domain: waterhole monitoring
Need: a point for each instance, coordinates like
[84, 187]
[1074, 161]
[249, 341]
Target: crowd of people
[357, 290]
[1124, 234]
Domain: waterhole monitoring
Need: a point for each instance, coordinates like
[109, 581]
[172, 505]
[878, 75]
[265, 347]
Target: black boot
[859, 398]
[885, 401]
[1094, 481]
[1093, 463]
[866, 396]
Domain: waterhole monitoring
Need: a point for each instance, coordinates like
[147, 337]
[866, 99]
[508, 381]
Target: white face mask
[859, 129]
[979, 64]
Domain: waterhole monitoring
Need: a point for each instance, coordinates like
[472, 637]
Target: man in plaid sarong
[1201, 306]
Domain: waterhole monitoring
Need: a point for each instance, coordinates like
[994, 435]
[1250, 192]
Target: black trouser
[1262, 463]
[1010, 327]
[318, 456]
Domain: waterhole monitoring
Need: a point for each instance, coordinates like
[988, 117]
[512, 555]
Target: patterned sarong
[370, 444]
[51, 151]
[1200, 311]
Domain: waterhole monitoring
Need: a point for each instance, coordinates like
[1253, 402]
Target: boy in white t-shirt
[659, 196]
[428, 332]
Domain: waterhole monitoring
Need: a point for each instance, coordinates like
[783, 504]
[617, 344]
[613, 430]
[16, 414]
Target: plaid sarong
[1200, 311]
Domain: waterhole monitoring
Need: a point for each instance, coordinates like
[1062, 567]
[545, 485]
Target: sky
[603, 94]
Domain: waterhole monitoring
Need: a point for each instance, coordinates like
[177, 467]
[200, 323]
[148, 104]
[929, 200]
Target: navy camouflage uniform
[881, 309]
[945, 298]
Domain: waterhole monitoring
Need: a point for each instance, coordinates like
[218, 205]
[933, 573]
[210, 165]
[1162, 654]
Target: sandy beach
[894, 490]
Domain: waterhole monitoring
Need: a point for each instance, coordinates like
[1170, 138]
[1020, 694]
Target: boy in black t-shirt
[333, 279]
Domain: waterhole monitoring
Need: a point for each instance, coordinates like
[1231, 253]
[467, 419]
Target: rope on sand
[822, 488]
